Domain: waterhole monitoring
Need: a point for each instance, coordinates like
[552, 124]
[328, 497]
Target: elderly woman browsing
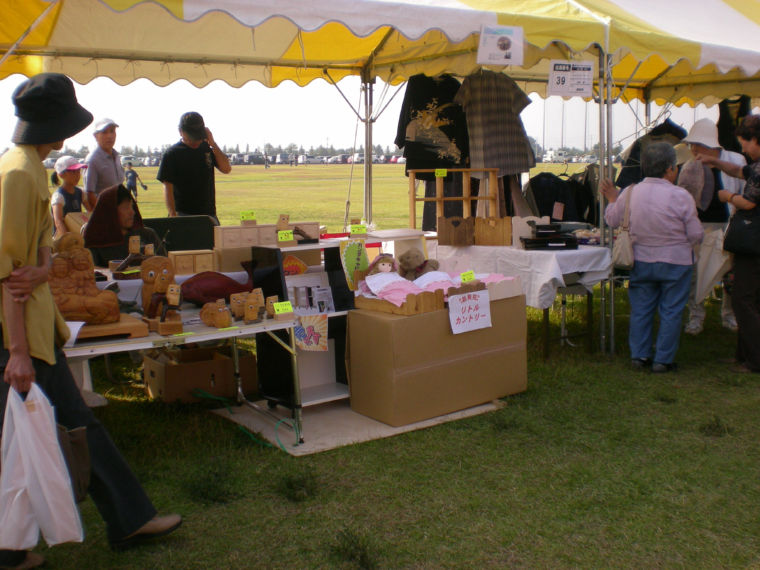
[664, 226]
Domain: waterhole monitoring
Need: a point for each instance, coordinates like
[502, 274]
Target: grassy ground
[595, 466]
[308, 193]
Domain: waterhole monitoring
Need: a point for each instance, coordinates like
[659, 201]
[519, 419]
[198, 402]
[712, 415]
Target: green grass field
[595, 466]
[315, 192]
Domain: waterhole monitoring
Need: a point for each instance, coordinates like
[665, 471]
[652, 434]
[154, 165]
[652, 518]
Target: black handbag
[743, 233]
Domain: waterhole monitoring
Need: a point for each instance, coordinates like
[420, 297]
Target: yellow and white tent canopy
[679, 51]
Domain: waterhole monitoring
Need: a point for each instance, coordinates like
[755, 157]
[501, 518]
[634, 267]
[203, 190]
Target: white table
[194, 331]
[541, 272]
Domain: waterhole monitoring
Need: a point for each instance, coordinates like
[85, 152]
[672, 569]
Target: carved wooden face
[134, 244]
[256, 296]
[237, 304]
[223, 317]
[270, 304]
[59, 267]
[282, 221]
[157, 271]
[69, 241]
[173, 294]
[81, 259]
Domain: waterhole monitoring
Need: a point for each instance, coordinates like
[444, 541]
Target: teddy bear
[412, 264]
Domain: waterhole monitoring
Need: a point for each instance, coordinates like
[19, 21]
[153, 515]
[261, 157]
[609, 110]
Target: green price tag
[282, 307]
[358, 229]
[247, 215]
[285, 235]
[130, 271]
[441, 173]
[228, 328]
[183, 334]
[467, 276]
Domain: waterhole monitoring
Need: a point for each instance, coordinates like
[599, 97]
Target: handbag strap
[627, 213]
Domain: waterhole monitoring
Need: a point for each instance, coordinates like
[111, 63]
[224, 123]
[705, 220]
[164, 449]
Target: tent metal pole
[368, 85]
[602, 225]
[608, 106]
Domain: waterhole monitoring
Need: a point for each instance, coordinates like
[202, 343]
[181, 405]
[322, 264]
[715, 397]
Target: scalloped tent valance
[661, 51]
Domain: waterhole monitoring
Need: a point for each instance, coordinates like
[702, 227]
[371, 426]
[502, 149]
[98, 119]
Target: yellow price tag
[285, 235]
[467, 276]
[184, 334]
[358, 229]
[130, 271]
[282, 307]
[247, 215]
[228, 328]
[441, 172]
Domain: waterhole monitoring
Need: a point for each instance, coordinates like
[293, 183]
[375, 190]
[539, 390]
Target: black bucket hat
[47, 110]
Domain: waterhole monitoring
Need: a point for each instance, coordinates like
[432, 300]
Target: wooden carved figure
[157, 274]
[72, 281]
[149, 250]
[237, 304]
[254, 303]
[134, 244]
[283, 222]
[216, 314]
[173, 301]
[270, 305]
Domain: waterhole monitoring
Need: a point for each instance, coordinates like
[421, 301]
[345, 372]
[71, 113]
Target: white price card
[500, 45]
[470, 311]
[571, 78]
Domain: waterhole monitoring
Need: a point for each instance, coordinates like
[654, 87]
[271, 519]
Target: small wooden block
[170, 326]
[283, 221]
[134, 244]
[283, 316]
[248, 222]
[152, 323]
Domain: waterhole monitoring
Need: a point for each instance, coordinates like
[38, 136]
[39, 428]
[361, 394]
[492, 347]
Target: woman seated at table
[114, 220]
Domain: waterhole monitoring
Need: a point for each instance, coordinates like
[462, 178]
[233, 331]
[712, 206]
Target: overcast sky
[309, 116]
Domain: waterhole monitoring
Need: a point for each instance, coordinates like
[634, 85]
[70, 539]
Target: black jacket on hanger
[432, 129]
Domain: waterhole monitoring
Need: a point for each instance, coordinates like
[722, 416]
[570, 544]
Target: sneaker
[694, 327]
[641, 363]
[729, 322]
[661, 367]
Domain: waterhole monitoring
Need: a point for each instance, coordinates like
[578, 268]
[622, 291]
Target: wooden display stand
[127, 326]
[465, 230]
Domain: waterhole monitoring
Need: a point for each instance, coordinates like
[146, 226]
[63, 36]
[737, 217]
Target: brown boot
[155, 527]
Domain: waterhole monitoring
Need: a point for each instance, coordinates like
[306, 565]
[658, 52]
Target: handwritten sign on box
[470, 311]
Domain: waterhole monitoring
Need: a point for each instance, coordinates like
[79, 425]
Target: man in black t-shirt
[187, 170]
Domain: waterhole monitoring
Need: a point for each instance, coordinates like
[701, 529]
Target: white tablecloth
[541, 272]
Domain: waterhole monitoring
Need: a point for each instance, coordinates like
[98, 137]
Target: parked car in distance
[281, 158]
[401, 160]
[393, 159]
[308, 159]
[356, 158]
[49, 162]
[338, 159]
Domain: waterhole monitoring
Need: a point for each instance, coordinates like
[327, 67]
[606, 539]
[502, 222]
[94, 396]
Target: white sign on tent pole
[500, 45]
[571, 78]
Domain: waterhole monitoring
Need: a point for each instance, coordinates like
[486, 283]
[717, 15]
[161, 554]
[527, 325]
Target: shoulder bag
[622, 249]
[743, 233]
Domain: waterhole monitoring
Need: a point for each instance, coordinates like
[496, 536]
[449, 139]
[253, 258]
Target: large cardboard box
[405, 369]
[173, 374]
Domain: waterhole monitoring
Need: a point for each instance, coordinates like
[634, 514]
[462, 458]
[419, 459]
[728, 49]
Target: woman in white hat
[713, 213]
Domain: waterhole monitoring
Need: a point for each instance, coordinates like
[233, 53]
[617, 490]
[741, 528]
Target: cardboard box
[407, 369]
[173, 374]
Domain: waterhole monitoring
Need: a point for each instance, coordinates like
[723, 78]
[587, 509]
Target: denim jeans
[661, 287]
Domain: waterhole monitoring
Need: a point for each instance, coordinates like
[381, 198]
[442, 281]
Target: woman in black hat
[32, 328]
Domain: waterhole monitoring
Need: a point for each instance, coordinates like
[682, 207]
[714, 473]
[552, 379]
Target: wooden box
[267, 234]
[456, 231]
[192, 261]
[493, 231]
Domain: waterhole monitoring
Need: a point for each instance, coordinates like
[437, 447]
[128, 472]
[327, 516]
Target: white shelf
[323, 393]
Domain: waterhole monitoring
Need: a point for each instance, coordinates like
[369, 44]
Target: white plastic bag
[35, 488]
